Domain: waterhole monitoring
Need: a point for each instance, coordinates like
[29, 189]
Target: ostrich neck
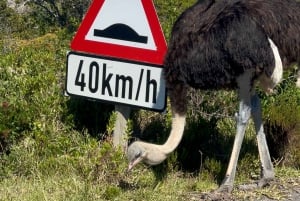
[158, 153]
[178, 123]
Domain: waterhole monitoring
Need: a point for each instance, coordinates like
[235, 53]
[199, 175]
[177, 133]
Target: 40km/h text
[134, 84]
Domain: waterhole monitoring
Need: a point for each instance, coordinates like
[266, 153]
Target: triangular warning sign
[125, 29]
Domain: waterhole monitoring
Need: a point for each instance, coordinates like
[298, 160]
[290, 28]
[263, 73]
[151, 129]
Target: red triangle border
[79, 43]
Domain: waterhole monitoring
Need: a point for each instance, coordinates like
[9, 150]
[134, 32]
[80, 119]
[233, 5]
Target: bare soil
[287, 190]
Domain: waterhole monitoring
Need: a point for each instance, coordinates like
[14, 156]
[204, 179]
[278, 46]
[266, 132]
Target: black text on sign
[135, 84]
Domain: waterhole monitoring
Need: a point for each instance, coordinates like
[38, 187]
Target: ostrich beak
[134, 163]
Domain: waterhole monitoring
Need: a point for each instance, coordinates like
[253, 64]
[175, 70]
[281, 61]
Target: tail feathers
[268, 83]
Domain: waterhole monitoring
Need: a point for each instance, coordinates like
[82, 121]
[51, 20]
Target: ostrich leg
[242, 119]
[267, 171]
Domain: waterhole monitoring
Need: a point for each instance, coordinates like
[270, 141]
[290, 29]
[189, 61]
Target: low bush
[282, 114]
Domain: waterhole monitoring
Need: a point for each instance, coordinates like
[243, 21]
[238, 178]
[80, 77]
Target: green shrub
[282, 114]
[31, 88]
[168, 11]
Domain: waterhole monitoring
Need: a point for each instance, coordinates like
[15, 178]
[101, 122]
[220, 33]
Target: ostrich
[227, 44]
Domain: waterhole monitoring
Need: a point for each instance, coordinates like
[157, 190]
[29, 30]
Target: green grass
[139, 185]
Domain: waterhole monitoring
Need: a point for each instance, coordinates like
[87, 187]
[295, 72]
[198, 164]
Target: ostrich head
[153, 154]
[147, 153]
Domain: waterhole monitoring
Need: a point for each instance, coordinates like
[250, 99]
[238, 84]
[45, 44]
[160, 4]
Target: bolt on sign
[117, 55]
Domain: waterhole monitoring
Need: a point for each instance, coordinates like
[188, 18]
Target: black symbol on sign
[121, 32]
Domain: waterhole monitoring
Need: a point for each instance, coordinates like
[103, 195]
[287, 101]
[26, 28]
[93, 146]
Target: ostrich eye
[137, 155]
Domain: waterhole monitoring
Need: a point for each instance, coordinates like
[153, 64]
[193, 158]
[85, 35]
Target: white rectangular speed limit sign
[117, 81]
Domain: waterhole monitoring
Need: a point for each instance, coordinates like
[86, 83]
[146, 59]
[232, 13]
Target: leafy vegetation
[54, 147]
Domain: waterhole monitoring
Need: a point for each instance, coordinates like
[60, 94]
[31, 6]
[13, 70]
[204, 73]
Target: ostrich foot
[214, 196]
[263, 182]
[224, 188]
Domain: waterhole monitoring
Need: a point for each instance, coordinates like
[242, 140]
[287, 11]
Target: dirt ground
[278, 190]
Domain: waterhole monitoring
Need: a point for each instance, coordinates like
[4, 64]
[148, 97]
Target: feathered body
[215, 41]
[227, 44]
